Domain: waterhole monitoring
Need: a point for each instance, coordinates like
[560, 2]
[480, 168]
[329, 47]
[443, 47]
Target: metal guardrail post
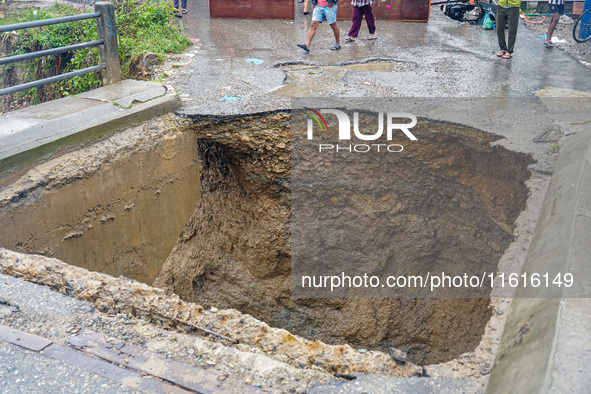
[109, 52]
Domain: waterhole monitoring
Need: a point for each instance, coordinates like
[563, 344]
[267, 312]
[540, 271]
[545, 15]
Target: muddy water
[302, 80]
[122, 219]
[235, 250]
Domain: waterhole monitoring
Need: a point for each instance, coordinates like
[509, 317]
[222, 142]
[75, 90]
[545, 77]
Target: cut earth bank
[244, 163]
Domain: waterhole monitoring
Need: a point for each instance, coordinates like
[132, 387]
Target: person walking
[507, 14]
[306, 3]
[360, 8]
[175, 5]
[324, 10]
[556, 8]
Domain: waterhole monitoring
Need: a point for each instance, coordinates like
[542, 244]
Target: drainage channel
[203, 210]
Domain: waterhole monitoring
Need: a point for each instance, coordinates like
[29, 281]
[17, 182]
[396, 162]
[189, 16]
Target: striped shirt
[361, 3]
[556, 2]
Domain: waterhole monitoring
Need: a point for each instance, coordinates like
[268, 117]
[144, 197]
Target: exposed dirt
[245, 165]
[117, 206]
[126, 297]
[234, 251]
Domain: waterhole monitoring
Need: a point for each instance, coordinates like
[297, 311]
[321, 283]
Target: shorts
[326, 13]
[552, 8]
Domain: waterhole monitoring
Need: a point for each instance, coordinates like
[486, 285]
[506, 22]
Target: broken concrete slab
[102, 368]
[145, 361]
[36, 132]
[545, 344]
[23, 339]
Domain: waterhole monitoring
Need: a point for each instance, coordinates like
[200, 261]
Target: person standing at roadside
[556, 8]
[507, 14]
[324, 10]
[360, 8]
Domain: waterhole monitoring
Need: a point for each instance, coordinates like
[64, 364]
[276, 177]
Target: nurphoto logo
[344, 131]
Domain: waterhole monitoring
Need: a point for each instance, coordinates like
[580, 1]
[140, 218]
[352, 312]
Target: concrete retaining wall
[546, 343]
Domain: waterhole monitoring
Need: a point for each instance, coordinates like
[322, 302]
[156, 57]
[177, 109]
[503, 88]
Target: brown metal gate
[252, 9]
[386, 10]
[391, 10]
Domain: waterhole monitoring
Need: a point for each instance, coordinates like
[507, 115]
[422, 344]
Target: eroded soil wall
[235, 249]
[120, 215]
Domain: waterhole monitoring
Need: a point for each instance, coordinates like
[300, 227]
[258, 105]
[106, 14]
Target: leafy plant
[141, 27]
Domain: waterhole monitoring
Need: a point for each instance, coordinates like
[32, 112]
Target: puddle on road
[307, 80]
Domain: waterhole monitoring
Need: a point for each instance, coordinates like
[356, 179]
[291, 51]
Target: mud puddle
[304, 80]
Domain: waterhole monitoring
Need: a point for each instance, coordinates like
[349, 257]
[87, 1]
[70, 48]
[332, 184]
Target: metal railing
[107, 44]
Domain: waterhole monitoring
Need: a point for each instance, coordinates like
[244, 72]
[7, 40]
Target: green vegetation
[142, 27]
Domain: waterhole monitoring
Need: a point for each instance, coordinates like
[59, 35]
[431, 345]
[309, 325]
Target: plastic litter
[556, 40]
[254, 61]
[487, 23]
[230, 98]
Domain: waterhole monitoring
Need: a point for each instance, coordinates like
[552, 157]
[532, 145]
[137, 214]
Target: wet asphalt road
[24, 371]
[443, 58]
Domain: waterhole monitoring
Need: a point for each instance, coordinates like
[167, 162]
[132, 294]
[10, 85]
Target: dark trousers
[510, 15]
[358, 13]
[183, 4]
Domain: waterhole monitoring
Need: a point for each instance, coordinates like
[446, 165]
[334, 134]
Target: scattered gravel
[564, 31]
[57, 317]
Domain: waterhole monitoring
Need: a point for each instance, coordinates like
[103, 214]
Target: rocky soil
[235, 250]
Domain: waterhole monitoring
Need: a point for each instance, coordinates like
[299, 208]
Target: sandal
[184, 11]
[350, 39]
[372, 37]
[336, 47]
[304, 47]
[548, 44]
[507, 55]
[500, 54]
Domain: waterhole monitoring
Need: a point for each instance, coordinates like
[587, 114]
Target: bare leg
[311, 32]
[552, 26]
[336, 32]
[306, 2]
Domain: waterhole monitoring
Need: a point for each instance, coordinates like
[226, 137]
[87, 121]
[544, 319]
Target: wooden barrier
[252, 9]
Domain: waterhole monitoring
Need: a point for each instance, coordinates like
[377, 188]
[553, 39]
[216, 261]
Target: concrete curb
[39, 131]
[542, 348]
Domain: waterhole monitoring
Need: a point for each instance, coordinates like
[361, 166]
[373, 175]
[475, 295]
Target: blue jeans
[183, 3]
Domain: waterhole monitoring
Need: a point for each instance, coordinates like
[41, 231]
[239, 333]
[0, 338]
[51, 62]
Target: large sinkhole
[205, 212]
